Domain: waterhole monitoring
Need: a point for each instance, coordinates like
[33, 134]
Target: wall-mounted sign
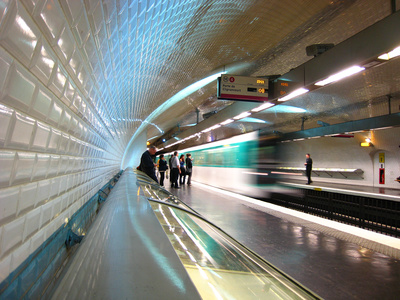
[242, 88]
[382, 168]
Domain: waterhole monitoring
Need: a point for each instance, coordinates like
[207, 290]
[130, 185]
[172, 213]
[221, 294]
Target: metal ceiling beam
[361, 49]
[380, 122]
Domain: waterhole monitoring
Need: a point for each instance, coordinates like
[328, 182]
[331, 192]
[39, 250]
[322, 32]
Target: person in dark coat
[175, 170]
[308, 165]
[147, 164]
[189, 166]
[162, 168]
[182, 174]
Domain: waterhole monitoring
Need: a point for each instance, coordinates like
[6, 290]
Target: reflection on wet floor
[218, 266]
[331, 267]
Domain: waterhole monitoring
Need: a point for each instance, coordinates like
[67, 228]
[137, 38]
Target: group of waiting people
[176, 165]
[180, 168]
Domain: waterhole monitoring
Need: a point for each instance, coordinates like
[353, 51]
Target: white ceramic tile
[43, 192]
[54, 140]
[37, 240]
[63, 185]
[5, 63]
[41, 137]
[65, 120]
[58, 82]
[69, 93]
[23, 167]
[42, 103]
[55, 112]
[22, 132]
[43, 63]
[81, 130]
[27, 197]
[12, 235]
[66, 45]
[64, 201]
[53, 166]
[3, 8]
[5, 266]
[73, 126]
[82, 76]
[20, 35]
[41, 166]
[75, 62]
[20, 88]
[8, 204]
[20, 254]
[57, 207]
[7, 163]
[82, 31]
[64, 141]
[93, 59]
[54, 187]
[5, 122]
[63, 167]
[32, 223]
[50, 20]
[46, 213]
[77, 102]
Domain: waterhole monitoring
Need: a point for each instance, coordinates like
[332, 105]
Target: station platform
[334, 260]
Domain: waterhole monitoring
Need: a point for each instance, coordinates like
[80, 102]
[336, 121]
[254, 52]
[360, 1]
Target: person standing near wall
[182, 175]
[308, 165]
[162, 168]
[189, 166]
[147, 164]
[175, 170]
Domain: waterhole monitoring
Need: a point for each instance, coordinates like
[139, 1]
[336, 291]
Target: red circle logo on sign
[231, 79]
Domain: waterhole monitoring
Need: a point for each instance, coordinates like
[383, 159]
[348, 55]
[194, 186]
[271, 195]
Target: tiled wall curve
[56, 151]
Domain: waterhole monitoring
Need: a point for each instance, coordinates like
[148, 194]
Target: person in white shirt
[175, 170]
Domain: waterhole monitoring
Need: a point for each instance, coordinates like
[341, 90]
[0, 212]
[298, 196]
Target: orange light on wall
[367, 143]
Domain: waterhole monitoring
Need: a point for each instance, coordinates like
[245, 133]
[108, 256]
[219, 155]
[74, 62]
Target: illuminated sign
[242, 88]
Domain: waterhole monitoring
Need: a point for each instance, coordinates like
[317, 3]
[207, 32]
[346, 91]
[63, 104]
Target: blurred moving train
[244, 164]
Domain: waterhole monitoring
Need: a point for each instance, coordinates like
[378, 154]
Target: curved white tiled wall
[56, 151]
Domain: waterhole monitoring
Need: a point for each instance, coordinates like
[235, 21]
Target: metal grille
[375, 214]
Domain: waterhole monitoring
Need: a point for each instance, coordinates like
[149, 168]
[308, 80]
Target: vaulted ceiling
[119, 65]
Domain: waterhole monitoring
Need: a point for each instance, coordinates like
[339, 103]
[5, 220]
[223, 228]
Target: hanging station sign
[232, 87]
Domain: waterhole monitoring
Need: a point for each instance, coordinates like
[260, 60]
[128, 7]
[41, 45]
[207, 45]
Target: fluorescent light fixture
[262, 107]
[211, 128]
[227, 122]
[286, 109]
[390, 55]
[342, 74]
[253, 120]
[294, 94]
[242, 115]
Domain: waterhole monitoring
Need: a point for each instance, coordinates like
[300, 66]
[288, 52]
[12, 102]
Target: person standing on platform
[147, 164]
[170, 168]
[189, 166]
[162, 168]
[175, 170]
[182, 175]
[308, 165]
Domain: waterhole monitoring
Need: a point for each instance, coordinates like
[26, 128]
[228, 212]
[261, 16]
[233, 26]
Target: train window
[218, 157]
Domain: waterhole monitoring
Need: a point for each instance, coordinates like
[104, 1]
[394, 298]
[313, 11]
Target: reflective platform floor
[335, 264]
